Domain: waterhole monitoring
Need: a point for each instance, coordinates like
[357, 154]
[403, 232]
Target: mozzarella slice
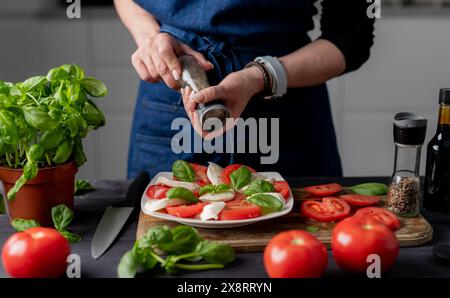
[278, 196]
[212, 211]
[218, 197]
[155, 205]
[174, 183]
[214, 172]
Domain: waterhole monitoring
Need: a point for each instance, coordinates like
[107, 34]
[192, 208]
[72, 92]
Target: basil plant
[44, 119]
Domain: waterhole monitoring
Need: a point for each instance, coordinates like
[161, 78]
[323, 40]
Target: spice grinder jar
[405, 185]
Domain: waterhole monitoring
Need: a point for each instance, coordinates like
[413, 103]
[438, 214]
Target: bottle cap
[409, 129]
[444, 96]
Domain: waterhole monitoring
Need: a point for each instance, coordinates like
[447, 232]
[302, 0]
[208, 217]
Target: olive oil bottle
[436, 197]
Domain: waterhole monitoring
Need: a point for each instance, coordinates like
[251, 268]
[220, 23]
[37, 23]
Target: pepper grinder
[405, 185]
[194, 76]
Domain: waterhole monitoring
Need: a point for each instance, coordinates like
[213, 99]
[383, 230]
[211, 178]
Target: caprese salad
[211, 192]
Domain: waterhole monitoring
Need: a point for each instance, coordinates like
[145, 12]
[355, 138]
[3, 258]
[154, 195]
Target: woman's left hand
[235, 91]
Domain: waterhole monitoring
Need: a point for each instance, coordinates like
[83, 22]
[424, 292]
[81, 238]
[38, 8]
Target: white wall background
[410, 62]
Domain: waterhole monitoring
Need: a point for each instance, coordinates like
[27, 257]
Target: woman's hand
[235, 91]
[156, 58]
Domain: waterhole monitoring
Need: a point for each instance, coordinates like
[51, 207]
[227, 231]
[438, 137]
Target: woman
[224, 36]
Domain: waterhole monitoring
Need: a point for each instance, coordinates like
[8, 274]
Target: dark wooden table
[412, 262]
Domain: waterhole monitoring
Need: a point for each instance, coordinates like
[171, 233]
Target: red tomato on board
[282, 187]
[361, 200]
[186, 210]
[324, 190]
[156, 192]
[384, 216]
[36, 253]
[238, 212]
[230, 169]
[357, 237]
[200, 174]
[294, 254]
[329, 209]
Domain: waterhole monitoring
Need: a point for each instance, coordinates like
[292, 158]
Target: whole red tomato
[355, 238]
[295, 253]
[36, 253]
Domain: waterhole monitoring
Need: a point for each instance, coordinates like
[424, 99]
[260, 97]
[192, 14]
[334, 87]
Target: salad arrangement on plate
[213, 193]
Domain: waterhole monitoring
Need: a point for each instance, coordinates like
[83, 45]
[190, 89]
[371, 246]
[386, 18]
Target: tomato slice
[186, 210]
[230, 169]
[282, 187]
[324, 190]
[157, 192]
[360, 200]
[238, 199]
[238, 212]
[384, 216]
[200, 174]
[329, 209]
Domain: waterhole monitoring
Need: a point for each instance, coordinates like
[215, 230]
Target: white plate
[219, 224]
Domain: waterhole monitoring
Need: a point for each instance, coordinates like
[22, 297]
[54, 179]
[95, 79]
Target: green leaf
[129, 264]
[268, 203]
[30, 170]
[62, 216]
[51, 139]
[215, 252]
[312, 229]
[94, 87]
[57, 74]
[71, 237]
[21, 224]
[370, 189]
[33, 82]
[38, 118]
[183, 171]
[35, 152]
[78, 152]
[214, 189]
[82, 186]
[240, 178]
[92, 115]
[17, 186]
[259, 186]
[185, 240]
[159, 235]
[181, 193]
[63, 152]
[8, 128]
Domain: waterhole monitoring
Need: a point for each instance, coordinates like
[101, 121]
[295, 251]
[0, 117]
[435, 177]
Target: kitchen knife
[117, 215]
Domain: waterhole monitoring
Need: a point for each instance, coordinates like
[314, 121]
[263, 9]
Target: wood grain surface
[414, 231]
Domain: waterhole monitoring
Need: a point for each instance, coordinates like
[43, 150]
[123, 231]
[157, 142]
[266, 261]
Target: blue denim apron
[306, 137]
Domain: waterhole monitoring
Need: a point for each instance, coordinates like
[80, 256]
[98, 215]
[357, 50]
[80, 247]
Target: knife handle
[135, 191]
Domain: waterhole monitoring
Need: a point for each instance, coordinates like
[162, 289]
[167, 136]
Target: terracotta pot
[51, 187]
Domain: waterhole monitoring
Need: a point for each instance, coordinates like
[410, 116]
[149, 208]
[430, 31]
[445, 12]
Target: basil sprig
[240, 177]
[268, 203]
[82, 186]
[181, 193]
[182, 246]
[214, 189]
[259, 186]
[370, 189]
[183, 171]
[62, 216]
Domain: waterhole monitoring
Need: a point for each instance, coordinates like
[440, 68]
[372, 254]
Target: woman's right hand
[156, 59]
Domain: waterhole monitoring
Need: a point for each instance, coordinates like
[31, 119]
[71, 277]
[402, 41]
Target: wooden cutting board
[414, 232]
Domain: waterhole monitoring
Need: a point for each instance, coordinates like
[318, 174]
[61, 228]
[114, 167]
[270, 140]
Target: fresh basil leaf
[94, 87]
[63, 152]
[78, 152]
[370, 189]
[35, 152]
[181, 193]
[185, 240]
[51, 139]
[62, 216]
[82, 186]
[312, 229]
[183, 171]
[38, 118]
[268, 203]
[259, 186]
[33, 82]
[92, 114]
[21, 224]
[159, 235]
[215, 252]
[129, 264]
[71, 237]
[214, 189]
[57, 74]
[240, 178]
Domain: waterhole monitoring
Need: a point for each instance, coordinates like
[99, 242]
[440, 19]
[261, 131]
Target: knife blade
[116, 216]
